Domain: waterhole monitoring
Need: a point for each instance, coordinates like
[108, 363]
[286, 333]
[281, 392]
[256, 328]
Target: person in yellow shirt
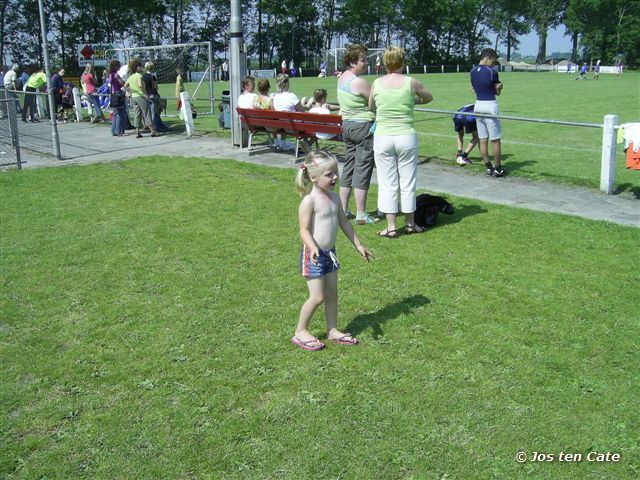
[139, 98]
[36, 82]
[179, 87]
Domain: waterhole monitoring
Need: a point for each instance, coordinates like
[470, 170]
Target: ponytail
[314, 163]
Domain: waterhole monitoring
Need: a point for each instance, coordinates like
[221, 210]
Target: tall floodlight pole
[52, 103]
[238, 68]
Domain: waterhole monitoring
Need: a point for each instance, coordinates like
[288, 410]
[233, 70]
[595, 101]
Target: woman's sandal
[411, 229]
[388, 233]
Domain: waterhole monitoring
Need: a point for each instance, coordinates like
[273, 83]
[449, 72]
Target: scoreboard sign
[95, 53]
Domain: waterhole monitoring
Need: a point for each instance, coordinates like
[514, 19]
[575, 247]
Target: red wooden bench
[302, 125]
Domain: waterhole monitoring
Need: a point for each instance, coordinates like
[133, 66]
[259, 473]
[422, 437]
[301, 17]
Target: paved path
[85, 144]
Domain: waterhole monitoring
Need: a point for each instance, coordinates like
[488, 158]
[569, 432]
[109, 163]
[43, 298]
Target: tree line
[431, 31]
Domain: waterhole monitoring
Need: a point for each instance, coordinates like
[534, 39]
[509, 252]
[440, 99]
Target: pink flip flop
[346, 339]
[310, 345]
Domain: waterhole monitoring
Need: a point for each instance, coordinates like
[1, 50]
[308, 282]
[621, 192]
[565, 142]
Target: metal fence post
[608, 165]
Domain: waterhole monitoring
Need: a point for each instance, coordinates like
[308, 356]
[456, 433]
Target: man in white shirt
[9, 83]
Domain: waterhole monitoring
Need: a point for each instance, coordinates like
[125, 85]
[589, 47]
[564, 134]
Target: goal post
[194, 59]
[334, 57]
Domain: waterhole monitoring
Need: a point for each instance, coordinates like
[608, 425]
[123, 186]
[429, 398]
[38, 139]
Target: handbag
[117, 99]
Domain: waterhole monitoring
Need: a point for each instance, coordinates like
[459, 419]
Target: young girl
[320, 214]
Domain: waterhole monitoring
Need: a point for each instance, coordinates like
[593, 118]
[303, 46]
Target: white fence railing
[608, 126]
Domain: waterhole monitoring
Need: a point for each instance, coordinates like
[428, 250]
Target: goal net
[192, 59]
[334, 58]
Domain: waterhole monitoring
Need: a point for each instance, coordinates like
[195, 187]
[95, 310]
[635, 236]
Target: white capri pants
[396, 159]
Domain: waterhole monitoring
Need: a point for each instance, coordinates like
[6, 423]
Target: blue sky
[556, 42]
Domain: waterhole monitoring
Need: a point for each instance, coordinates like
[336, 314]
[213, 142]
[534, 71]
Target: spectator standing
[283, 67]
[395, 143]
[10, 82]
[487, 85]
[225, 70]
[378, 64]
[179, 87]
[596, 71]
[136, 89]
[24, 78]
[292, 68]
[120, 120]
[151, 87]
[35, 82]
[57, 85]
[89, 84]
[357, 124]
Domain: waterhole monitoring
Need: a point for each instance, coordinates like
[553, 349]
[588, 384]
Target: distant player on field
[583, 72]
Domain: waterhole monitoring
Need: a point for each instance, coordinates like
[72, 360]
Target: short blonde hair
[352, 54]
[393, 58]
[148, 66]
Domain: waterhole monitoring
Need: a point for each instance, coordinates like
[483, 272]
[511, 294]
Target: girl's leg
[331, 304]
[316, 297]
[331, 311]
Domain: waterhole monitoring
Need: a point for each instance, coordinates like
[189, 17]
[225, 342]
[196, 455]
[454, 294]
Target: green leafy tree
[545, 14]
[610, 29]
[508, 20]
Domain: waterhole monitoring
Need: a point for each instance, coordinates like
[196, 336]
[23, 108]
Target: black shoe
[499, 172]
[490, 171]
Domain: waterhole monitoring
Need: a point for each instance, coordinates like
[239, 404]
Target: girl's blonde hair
[393, 58]
[315, 163]
[282, 80]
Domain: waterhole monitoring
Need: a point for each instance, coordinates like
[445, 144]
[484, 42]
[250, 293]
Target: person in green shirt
[36, 82]
[139, 98]
[395, 143]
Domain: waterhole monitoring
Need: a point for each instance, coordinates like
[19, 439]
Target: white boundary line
[517, 142]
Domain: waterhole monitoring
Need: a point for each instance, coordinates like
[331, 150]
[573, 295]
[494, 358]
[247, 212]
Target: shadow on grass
[628, 188]
[460, 214]
[375, 320]
[504, 157]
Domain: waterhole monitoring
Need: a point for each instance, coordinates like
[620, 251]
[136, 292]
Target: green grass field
[146, 310]
[562, 154]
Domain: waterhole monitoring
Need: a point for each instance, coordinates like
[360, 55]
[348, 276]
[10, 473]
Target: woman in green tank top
[357, 119]
[395, 143]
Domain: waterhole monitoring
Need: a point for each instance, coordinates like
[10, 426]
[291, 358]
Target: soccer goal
[334, 58]
[195, 60]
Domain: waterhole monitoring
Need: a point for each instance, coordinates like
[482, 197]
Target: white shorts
[488, 127]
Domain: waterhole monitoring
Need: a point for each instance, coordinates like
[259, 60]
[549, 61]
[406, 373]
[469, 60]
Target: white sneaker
[460, 160]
